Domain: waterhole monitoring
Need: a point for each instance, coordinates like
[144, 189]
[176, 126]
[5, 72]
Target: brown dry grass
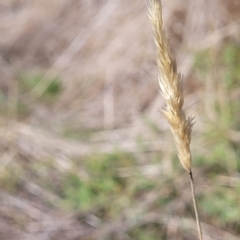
[170, 82]
[101, 50]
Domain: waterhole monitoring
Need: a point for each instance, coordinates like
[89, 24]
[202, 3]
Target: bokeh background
[85, 153]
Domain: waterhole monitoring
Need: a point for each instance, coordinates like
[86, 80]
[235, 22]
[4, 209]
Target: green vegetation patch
[222, 203]
[96, 181]
[50, 87]
[97, 185]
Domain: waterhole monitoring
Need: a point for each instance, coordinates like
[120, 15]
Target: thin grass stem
[195, 206]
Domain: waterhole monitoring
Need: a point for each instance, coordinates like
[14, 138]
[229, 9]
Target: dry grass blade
[170, 82]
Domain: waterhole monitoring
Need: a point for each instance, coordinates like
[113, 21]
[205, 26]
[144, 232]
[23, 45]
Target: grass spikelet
[170, 82]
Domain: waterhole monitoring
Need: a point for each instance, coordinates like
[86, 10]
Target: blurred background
[85, 153]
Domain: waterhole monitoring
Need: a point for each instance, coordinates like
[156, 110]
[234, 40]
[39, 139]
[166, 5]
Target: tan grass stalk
[170, 82]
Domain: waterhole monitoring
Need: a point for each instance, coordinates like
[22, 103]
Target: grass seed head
[170, 82]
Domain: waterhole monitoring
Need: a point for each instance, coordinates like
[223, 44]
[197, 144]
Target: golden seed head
[170, 82]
